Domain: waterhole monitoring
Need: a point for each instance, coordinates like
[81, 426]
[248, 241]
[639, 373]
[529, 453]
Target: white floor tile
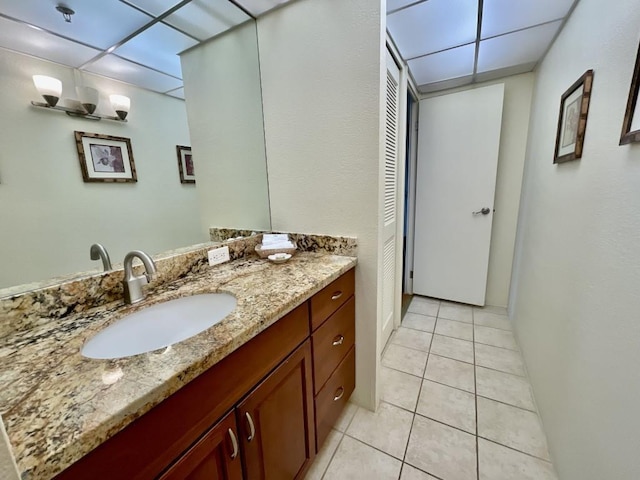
[448, 405]
[424, 306]
[508, 361]
[495, 337]
[489, 319]
[386, 429]
[354, 459]
[419, 322]
[346, 417]
[491, 309]
[452, 328]
[504, 387]
[450, 372]
[324, 456]
[399, 388]
[512, 426]
[501, 463]
[412, 473]
[405, 359]
[443, 451]
[452, 348]
[406, 337]
[461, 313]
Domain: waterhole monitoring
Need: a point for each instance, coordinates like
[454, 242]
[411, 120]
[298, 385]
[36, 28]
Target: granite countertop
[57, 405]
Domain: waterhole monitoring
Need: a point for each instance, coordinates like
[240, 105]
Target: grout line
[374, 447]
[412, 348]
[516, 450]
[507, 404]
[475, 384]
[496, 346]
[423, 471]
[324, 472]
[445, 424]
[401, 371]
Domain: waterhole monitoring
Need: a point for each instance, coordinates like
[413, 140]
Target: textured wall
[321, 78]
[576, 295]
[48, 216]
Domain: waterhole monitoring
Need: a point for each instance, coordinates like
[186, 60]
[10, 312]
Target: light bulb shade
[121, 105]
[89, 98]
[50, 88]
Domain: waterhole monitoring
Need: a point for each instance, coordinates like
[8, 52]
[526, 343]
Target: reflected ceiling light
[50, 88]
[121, 105]
[66, 12]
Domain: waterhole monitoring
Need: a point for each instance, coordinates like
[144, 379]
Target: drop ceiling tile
[97, 23]
[503, 16]
[259, 7]
[206, 18]
[25, 39]
[118, 68]
[154, 7]
[179, 93]
[446, 65]
[525, 46]
[157, 47]
[433, 25]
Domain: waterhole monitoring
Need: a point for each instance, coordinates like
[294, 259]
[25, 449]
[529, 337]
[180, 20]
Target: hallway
[455, 405]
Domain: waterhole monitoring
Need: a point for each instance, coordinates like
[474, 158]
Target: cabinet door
[216, 456]
[276, 421]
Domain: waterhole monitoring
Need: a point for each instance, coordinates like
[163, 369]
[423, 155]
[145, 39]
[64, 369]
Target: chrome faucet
[133, 285]
[99, 252]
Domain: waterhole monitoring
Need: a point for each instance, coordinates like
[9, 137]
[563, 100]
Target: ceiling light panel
[206, 18]
[393, 5]
[433, 25]
[157, 47]
[120, 69]
[25, 39]
[179, 93]
[518, 48]
[96, 23]
[446, 65]
[154, 7]
[258, 7]
[503, 16]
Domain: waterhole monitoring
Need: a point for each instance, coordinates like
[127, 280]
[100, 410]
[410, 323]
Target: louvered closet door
[388, 243]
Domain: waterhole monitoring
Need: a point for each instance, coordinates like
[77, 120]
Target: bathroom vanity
[252, 397]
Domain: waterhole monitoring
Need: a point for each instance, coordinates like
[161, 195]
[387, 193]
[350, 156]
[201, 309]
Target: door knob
[484, 211]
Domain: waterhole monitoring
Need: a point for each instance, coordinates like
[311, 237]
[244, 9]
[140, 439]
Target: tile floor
[456, 405]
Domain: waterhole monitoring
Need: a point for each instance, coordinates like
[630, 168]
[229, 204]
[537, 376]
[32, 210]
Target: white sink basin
[159, 326]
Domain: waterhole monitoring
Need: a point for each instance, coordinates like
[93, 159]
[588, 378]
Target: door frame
[411, 163]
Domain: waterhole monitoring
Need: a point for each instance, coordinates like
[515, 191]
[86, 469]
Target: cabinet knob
[252, 428]
[339, 394]
[234, 443]
[336, 295]
[338, 340]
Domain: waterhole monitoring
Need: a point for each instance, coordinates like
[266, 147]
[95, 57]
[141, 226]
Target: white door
[389, 205]
[458, 144]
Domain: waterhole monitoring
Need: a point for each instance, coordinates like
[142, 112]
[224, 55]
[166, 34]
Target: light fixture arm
[77, 113]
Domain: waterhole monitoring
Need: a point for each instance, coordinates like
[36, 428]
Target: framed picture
[185, 164]
[631, 124]
[104, 158]
[572, 121]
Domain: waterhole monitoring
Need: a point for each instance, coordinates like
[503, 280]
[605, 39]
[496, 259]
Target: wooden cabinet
[277, 423]
[258, 414]
[216, 456]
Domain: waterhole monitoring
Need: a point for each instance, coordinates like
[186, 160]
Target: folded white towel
[275, 238]
[278, 246]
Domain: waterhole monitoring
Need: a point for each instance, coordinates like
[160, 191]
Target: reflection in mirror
[49, 216]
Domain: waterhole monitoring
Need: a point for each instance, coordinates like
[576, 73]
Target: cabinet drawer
[330, 298]
[332, 341]
[333, 397]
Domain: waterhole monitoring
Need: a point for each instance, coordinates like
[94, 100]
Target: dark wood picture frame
[185, 164]
[573, 117]
[627, 136]
[105, 158]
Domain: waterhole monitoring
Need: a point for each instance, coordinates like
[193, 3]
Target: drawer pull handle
[339, 394]
[339, 340]
[252, 428]
[234, 444]
[336, 295]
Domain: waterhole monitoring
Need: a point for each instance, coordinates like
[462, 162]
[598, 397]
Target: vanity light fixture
[51, 90]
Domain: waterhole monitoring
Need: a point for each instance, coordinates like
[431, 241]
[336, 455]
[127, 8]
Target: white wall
[576, 293]
[48, 216]
[321, 64]
[224, 106]
[513, 142]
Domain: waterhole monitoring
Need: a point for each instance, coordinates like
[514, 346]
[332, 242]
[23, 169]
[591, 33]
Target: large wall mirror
[207, 98]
